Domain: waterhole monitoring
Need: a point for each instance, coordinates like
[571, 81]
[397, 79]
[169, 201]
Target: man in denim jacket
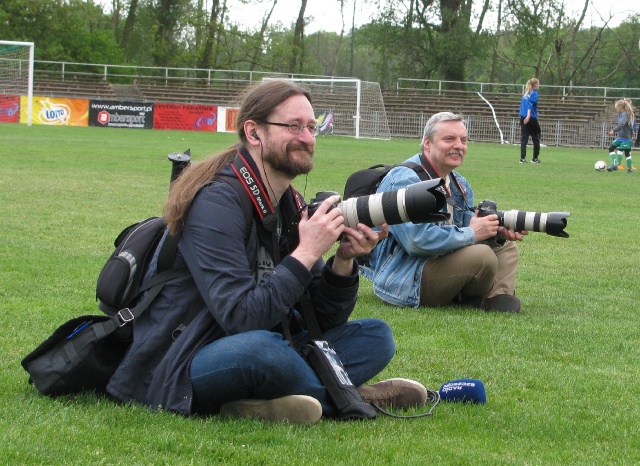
[453, 262]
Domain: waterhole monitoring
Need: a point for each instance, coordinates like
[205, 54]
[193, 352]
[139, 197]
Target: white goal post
[356, 105]
[16, 71]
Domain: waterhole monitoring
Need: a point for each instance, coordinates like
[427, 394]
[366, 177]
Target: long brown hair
[258, 104]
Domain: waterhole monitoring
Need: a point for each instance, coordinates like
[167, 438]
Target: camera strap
[327, 365]
[318, 352]
[434, 174]
[249, 177]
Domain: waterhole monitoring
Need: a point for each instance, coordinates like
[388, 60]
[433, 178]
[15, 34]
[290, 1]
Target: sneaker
[501, 303]
[630, 170]
[535, 161]
[612, 168]
[620, 166]
[394, 393]
[523, 160]
[293, 409]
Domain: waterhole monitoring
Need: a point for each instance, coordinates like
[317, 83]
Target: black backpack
[119, 283]
[366, 182]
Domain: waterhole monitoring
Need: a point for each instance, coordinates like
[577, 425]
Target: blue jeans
[261, 364]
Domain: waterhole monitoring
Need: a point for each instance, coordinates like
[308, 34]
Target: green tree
[72, 31]
[297, 47]
[164, 48]
[428, 39]
[129, 24]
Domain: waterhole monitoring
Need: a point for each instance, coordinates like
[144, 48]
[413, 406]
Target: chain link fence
[483, 129]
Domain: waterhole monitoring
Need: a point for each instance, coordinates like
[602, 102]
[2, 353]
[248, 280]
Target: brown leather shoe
[394, 393]
[292, 409]
[501, 303]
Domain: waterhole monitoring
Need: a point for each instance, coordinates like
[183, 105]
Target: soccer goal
[16, 71]
[357, 106]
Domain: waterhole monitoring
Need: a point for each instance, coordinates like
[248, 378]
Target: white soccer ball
[600, 165]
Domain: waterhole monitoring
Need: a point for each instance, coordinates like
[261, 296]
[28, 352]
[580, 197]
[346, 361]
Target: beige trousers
[474, 271]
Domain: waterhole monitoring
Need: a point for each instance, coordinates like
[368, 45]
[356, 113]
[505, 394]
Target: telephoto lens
[417, 203]
[551, 223]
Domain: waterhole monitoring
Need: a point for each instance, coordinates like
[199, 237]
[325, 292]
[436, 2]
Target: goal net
[16, 75]
[356, 106]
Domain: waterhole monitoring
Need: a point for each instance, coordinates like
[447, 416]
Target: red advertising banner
[192, 117]
[9, 108]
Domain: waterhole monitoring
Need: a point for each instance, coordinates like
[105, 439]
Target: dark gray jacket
[623, 128]
[155, 371]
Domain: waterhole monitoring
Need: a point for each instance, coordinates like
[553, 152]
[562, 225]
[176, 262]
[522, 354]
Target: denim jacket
[395, 265]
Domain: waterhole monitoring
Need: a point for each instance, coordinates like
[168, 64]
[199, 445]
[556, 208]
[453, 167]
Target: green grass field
[561, 377]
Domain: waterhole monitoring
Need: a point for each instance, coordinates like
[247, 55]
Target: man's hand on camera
[319, 232]
[484, 227]
[354, 243]
[505, 233]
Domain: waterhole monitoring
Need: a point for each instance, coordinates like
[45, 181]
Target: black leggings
[627, 152]
[532, 128]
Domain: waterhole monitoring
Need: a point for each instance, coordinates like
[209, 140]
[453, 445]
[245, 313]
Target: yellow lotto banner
[56, 111]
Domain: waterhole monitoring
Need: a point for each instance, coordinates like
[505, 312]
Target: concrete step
[127, 92]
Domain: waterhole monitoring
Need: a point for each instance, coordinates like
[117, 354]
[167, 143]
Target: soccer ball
[600, 165]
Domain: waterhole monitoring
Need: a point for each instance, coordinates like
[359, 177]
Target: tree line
[450, 40]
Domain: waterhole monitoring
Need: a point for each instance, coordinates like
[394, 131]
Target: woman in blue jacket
[529, 124]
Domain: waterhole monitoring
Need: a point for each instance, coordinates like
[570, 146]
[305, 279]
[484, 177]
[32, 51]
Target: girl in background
[529, 125]
[624, 132]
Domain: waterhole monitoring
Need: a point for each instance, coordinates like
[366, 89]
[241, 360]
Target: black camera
[552, 223]
[417, 203]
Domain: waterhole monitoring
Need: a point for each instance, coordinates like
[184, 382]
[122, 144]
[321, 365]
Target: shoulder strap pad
[247, 206]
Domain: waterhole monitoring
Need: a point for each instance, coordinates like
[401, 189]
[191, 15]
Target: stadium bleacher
[505, 105]
[73, 86]
[408, 101]
[568, 120]
[227, 93]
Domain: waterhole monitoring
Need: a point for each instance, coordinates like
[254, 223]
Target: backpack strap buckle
[125, 316]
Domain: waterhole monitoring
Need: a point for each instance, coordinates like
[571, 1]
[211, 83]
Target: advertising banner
[190, 117]
[113, 114]
[56, 111]
[227, 117]
[9, 108]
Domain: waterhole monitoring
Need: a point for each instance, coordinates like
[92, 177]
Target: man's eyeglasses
[295, 128]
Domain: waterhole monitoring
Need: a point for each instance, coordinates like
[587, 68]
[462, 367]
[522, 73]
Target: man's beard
[286, 164]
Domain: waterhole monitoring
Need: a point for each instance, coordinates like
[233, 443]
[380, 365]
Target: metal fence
[403, 125]
[128, 74]
[482, 129]
[436, 86]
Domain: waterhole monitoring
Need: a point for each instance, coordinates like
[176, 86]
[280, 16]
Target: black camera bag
[69, 362]
[83, 353]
